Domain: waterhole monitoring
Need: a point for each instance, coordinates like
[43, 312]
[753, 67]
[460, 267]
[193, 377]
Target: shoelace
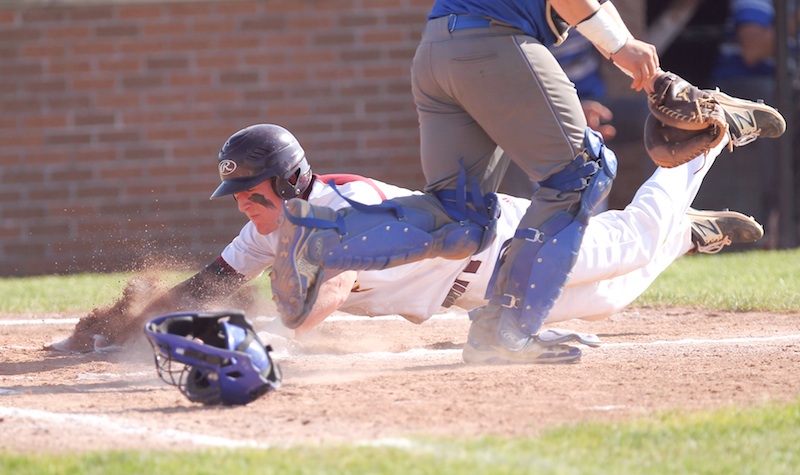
[715, 246]
[745, 139]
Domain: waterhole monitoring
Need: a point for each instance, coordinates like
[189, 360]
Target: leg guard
[545, 260]
[316, 240]
[373, 237]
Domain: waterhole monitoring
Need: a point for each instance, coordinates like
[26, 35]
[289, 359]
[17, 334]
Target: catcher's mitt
[684, 122]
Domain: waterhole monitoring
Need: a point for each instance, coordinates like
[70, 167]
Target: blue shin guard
[544, 261]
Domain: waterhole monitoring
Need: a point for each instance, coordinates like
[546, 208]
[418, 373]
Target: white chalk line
[129, 427]
[421, 352]
[40, 321]
[106, 424]
[126, 427]
[418, 353]
[703, 341]
[333, 318]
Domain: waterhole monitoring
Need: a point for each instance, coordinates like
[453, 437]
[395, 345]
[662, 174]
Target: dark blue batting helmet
[261, 152]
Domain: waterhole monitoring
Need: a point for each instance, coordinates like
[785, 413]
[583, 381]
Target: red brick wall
[111, 116]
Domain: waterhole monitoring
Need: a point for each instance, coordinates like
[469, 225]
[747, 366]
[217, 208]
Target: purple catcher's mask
[213, 358]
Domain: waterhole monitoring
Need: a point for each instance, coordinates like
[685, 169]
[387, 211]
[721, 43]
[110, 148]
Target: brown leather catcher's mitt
[684, 122]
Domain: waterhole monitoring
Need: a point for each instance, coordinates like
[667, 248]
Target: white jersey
[415, 290]
[621, 255]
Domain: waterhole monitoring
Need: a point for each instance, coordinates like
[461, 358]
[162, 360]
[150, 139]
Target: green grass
[79, 292]
[761, 440]
[756, 280]
[56, 293]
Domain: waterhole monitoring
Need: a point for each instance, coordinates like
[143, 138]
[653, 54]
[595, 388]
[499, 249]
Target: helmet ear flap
[295, 183]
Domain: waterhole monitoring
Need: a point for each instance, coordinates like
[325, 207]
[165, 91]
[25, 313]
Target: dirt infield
[356, 379]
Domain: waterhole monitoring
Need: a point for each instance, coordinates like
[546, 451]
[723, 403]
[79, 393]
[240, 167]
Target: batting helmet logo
[226, 167]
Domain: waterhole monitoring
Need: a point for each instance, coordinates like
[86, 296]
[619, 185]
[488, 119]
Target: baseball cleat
[84, 344]
[78, 344]
[533, 352]
[483, 348]
[749, 120]
[297, 272]
[553, 336]
[713, 230]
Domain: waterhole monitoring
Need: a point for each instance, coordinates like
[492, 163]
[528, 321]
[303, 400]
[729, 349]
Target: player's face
[261, 205]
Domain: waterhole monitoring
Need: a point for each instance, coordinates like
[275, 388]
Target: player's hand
[598, 117]
[639, 60]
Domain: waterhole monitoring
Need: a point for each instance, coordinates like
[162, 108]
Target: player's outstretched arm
[123, 321]
[332, 295]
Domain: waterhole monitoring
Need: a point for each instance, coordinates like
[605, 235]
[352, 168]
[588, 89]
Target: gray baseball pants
[487, 95]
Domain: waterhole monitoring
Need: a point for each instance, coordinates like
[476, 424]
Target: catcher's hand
[684, 122]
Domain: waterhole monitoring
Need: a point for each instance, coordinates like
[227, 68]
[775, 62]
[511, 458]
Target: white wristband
[604, 32]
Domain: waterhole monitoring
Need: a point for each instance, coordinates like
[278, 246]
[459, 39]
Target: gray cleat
[483, 348]
[713, 230]
[749, 120]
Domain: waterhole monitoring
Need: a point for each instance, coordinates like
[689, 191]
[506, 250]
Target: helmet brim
[237, 185]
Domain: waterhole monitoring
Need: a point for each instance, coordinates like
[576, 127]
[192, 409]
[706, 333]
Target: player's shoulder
[362, 189]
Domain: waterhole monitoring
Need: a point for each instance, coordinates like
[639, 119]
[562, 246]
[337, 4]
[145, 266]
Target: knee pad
[540, 270]
[469, 206]
[591, 172]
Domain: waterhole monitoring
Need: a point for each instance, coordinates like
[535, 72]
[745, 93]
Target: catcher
[263, 165]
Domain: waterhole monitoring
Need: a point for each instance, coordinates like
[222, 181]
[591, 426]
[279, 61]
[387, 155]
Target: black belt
[462, 22]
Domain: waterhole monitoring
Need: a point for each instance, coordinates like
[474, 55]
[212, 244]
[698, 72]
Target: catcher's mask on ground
[261, 152]
[213, 358]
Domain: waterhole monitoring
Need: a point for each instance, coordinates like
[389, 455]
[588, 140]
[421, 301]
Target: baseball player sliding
[263, 165]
